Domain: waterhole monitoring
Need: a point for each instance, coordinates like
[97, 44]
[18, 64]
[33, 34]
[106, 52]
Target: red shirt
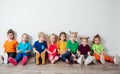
[52, 47]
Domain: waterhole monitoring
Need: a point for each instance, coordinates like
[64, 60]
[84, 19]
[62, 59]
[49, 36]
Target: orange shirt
[10, 46]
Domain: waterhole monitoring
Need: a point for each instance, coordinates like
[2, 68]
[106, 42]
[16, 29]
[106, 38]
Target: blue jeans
[68, 55]
[20, 56]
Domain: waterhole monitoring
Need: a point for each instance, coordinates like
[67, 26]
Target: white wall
[88, 17]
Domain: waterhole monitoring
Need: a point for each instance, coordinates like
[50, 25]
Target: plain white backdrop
[87, 17]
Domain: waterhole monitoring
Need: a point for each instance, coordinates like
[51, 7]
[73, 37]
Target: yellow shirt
[61, 47]
[10, 46]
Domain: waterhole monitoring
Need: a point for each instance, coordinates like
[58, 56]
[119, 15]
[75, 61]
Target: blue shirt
[40, 47]
[24, 47]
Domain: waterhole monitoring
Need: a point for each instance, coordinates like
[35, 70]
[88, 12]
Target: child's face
[10, 36]
[84, 42]
[73, 37]
[97, 41]
[24, 38]
[62, 37]
[52, 39]
[42, 39]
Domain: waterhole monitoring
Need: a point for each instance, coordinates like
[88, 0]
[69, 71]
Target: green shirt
[72, 46]
[97, 48]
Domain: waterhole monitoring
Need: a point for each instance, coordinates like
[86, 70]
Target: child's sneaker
[5, 57]
[102, 59]
[88, 60]
[116, 59]
[80, 60]
[94, 60]
[1, 60]
[24, 60]
[12, 60]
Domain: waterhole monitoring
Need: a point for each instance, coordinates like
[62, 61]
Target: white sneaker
[5, 56]
[94, 60]
[116, 59]
[80, 60]
[1, 60]
[102, 59]
[88, 60]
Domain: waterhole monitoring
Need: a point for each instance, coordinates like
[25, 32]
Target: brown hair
[61, 34]
[50, 36]
[96, 36]
[84, 38]
[11, 31]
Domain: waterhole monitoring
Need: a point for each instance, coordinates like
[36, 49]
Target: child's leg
[65, 55]
[12, 54]
[97, 57]
[107, 58]
[16, 60]
[5, 58]
[43, 57]
[25, 58]
[37, 56]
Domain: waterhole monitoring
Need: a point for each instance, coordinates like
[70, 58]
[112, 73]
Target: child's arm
[45, 51]
[54, 50]
[89, 53]
[49, 51]
[78, 52]
[35, 50]
[96, 52]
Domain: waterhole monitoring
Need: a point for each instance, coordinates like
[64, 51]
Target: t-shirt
[97, 48]
[40, 47]
[24, 47]
[84, 49]
[72, 46]
[61, 47]
[52, 47]
[10, 46]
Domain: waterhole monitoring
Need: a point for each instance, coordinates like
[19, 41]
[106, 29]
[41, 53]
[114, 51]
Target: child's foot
[102, 59]
[1, 60]
[11, 60]
[53, 61]
[56, 58]
[81, 60]
[5, 56]
[116, 59]
[24, 60]
[88, 60]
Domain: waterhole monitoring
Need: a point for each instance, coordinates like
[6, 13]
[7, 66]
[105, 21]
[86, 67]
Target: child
[40, 48]
[72, 46]
[10, 46]
[62, 45]
[84, 52]
[52, 49]
[23, 51]
[98, 50]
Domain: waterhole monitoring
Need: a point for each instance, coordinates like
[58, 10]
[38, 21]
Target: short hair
[41, 34]
[25, 34]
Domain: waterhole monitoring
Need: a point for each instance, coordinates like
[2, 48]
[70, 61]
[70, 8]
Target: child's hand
[36, 52]
[18, 51]
[73, 55]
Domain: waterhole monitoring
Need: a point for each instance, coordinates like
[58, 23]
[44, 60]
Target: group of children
[68, 51]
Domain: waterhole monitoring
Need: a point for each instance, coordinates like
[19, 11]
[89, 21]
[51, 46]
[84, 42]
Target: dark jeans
[68, 55]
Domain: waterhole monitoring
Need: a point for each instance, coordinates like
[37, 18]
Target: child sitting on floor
[84, 52]
[23, 51]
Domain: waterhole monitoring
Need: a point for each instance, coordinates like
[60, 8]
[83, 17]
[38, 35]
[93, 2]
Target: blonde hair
[41, 34]
[55, 38]
[73, 33]
[83, 37]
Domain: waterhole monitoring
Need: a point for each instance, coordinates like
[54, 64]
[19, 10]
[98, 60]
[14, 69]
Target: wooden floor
[59, 68]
